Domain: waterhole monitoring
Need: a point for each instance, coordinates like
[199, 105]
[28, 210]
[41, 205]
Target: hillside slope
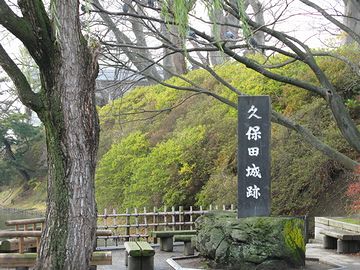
[168, 147]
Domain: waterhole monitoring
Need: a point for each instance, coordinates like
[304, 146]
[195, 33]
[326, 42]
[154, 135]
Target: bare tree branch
[331, 18]
[26, 95]
[286, 122]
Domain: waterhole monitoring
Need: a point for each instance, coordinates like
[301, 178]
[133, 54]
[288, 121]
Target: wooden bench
[166, 238]
[341, 240]
[188, 246]
[139, 255]
[26, 260]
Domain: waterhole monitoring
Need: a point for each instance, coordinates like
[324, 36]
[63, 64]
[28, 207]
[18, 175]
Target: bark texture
[72, 129]
[66, 106]
[352, 18]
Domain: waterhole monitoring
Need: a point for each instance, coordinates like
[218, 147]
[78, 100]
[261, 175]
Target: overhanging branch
[18, 26]
[26, 95]
[331, 18]
[35, 14]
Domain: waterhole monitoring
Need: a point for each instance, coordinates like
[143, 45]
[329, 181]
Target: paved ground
[159, 261]
[318, 259]
[341, 261]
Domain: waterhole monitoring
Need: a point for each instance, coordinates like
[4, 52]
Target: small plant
[352, 104]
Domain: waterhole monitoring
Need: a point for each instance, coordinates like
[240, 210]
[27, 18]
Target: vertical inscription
[254, 114]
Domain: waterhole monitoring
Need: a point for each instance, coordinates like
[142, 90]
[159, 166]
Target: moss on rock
[250, 243]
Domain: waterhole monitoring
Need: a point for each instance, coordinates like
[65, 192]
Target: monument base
[260, 243]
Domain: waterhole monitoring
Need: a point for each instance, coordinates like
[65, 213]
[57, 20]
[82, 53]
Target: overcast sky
[299, 21]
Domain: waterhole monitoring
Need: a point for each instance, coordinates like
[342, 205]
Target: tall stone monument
[254, 114]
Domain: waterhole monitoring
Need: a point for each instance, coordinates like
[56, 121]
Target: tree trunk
[178, 59]
[218, 17]
[344, 122]
[167, 61]
[259, 19]
[173, 63]
[352, 18]
[72, 132]
[141, 58]
[227, 21]
[66, 106]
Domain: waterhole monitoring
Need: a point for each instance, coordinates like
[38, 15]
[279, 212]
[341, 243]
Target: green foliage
[152, 181]
[187, 154]
[123, 116]
[7, 173]
[17, 138]
[15, 129]
[221, 189]
[352, 103]
[354, 106]
[178, 10]
[116, 167]
[294, 240]
[22, 145]
[345, 79]
[296, 190]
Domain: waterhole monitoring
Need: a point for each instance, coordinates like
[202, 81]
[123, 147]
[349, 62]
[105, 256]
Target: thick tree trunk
[66, 106]
[352, 18]
[72, 130]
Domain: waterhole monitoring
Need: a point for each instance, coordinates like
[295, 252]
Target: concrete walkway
[313, 252]
[329, 256]
[159, 260]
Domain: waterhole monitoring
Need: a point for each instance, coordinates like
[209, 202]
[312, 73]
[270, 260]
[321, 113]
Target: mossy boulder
[260, 243]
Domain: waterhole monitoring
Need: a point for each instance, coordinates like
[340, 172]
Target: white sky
[314, 29]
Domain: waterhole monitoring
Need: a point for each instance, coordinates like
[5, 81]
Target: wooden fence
[135, 223]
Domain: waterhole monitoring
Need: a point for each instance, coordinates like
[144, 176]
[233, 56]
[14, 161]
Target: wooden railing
[135, 223]
[30, 224]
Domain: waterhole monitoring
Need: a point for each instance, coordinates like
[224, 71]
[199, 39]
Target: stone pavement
[329, 256]
[159, 260]
[314, 251]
